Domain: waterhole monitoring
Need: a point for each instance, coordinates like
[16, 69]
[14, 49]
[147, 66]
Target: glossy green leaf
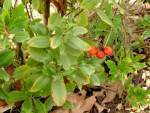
[104, 17]
[27, 106]
[48, 104]
[21, 36]
[78, 30]
[87, 69]
[77, 43]
[4, 75]
[56, 41]
[39, 42]
[39, 107]
[6, 57]
[40, 83]
[59, 91]
[7, 4]
[38, 5]
[55, 20]
[24, 71]
[112, 66]
[16, 96]
[40, 55]
[66, 59]
[3, 94]
[83, 19]
[89, 4]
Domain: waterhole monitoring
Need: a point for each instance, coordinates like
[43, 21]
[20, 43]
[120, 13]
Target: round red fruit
[100, 54]
[92, 51]
[10, 69]
[108, 51]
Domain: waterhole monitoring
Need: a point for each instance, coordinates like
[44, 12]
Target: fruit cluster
[94, 51]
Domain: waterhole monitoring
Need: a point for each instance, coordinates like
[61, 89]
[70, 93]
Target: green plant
[51, 58]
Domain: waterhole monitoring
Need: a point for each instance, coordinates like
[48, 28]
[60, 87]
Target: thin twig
[79, 13]
[15, 3]
[27, 12]
[30, 7]
[46, 11]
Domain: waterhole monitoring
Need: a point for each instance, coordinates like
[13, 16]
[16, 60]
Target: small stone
[148, 82]
[144, 76]
[119, 106]
[145, 88]
[147, 73]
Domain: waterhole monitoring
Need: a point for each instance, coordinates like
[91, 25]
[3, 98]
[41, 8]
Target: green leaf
[83, 19]
[95, 80]
[55, 20]
[21, 36]
[24, 72]
[18, 19]
[77, 43]
[78, 30]
[39, 42]
[87, 69]
[6, 57]
[40, 55]
[4, 75]
[16, 96]
[39, 106]
[66, 59]
[112, 66]
[27, 106]
[40, 83]
[38, 5]
[89, 4]
[146, 34]
[7, 4]
[56, 41]
[4, 42]
[48, 104]
[104, 17]
[59, 91]
[3, 94]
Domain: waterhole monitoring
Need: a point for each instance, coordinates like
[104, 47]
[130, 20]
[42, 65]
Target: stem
[15, 3]
[79, 13]
[46, 11]
[30, 10]
[27, 12]
[19, 53]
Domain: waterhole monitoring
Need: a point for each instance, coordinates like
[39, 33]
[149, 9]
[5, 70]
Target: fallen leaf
[100, 108]
[110, 95]
[76, 98]
[60, 110]
[86, 105]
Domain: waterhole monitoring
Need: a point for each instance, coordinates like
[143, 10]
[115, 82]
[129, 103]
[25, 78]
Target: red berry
[10, 69]
[18, 85]
[92, 51]
[108, 51]
[100, 54]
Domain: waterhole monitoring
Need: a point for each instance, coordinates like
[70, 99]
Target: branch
[79, 13]
[46, 11]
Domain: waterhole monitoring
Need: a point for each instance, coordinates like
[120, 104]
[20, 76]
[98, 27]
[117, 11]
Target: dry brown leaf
[60, 110]
[115, 87]
[76, 98]
[110, 95]
[4, 108]
[100, 108]
[86, 105]
[99, 93]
